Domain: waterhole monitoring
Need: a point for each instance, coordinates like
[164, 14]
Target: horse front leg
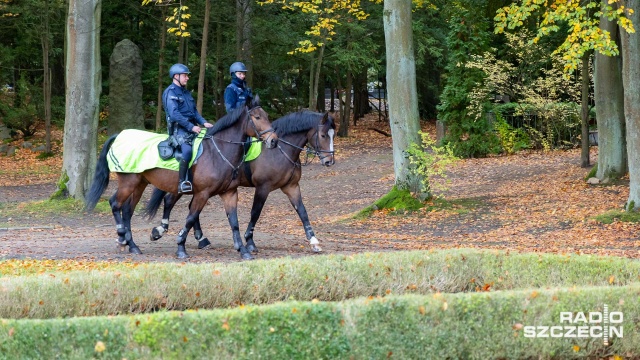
[197, 233]
[259, 199]
[197, 204]
[295, 197]
[230, 201]
[203, 243]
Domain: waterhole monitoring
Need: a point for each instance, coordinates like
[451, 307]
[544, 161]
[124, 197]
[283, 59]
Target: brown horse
[270, 171]
[214, 173]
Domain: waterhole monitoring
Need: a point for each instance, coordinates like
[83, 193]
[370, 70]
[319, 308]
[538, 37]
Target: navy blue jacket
[181, 109]
[236, 93]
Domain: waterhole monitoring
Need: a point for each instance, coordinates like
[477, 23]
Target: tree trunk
[182, 57]
[220, 70]
[631, 83]
[584, 113]
[360, 97]
[320, 103]
[314, 80]
[609, 98]
[203, 55]
[333, 98]
[46, 83]
[243, 37]
[346, 114]
[83, 79]
[161, 74]
[401, 89]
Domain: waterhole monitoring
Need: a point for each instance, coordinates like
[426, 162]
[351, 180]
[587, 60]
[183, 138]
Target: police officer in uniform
[183, 120]
[237, 93]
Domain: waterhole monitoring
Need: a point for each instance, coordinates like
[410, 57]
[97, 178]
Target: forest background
[494, 92]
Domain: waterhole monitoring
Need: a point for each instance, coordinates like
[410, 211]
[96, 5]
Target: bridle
[309, 149]
[241, 143]
[321, 154]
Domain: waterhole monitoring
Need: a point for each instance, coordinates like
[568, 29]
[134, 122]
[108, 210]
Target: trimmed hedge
[464, 325]
[149, 288]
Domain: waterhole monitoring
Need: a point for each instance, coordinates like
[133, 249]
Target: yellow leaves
[445, 306]
[100, 347]
[327, 15]
[31, 266]
[225, 325]
[576, 348]
[611, 279]
[422, 310]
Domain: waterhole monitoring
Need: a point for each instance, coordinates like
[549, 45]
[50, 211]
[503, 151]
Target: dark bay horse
[214, 173]
[274, 169]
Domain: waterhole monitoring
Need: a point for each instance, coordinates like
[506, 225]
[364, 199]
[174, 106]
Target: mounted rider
[237, 93]
[183, 120]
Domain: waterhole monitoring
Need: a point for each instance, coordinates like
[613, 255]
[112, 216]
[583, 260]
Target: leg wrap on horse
[122, 234]
[182, 236]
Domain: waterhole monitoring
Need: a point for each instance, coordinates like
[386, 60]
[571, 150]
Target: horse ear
[325, 117]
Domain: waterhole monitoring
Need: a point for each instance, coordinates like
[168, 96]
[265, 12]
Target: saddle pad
[254, 150]
[135, 151]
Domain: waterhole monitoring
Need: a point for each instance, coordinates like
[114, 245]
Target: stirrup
[185, 187]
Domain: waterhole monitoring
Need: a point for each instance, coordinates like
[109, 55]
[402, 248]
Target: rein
[255, 128]
[309, 149]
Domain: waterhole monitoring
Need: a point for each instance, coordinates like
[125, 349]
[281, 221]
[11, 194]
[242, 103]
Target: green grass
[148, 287]
[44, 209]
[618, 215]
[398, 206]
[451, 326]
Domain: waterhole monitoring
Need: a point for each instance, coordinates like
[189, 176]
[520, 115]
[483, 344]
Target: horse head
[260, 124]
[322, 140]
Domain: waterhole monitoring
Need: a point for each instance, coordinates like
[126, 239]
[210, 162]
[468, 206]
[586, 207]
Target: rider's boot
[184, 186]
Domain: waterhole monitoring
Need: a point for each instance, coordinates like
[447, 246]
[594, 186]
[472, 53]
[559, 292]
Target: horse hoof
[252, 249]
[316, 248]
[155, 235]
[247, 256]
[182, 255]
[204, 243]
[121, 248]
[135, 250]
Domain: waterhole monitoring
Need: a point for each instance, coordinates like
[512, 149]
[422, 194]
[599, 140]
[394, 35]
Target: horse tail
[101, 177]
[154, 203]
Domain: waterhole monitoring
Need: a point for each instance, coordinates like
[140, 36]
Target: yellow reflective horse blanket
[135, 151]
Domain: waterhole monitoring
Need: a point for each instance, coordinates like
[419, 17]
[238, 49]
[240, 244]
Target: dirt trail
[527, 202]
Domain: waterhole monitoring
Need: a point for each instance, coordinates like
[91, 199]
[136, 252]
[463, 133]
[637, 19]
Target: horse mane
[299, 121]
[231, 118]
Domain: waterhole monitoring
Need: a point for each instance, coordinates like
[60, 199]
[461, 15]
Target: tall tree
[631, 83]
[584, 111]
[46, 83]
[203, 55]
[83, 78]
[243, 37]
[609, 100]
[161, 72]
[401, 89]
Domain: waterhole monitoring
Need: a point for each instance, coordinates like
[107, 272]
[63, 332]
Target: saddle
[169, 148]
